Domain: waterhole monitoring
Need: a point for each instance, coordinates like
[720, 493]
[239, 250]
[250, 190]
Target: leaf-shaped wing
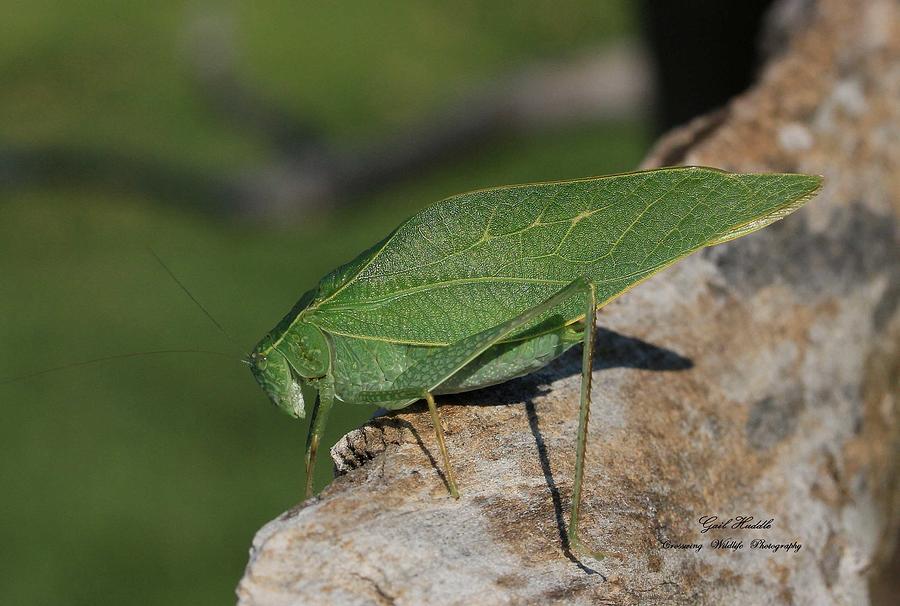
[475, 260]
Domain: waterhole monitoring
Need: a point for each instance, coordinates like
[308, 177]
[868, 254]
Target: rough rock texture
[757, 378]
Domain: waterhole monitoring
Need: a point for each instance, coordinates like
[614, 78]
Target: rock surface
[756, 378]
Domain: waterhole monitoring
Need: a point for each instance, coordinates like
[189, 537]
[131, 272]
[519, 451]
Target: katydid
[493, 284]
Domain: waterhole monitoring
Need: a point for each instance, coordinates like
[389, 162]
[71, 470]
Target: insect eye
[260, 361]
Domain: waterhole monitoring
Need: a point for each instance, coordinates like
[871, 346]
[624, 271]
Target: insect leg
[439, 432]
[316, 429]
[422, 378]
[587, 363]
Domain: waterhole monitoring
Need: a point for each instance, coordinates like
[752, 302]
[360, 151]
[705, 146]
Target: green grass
[142, 481]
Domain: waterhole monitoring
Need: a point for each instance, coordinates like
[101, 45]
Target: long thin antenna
[110, 358]
[194, 299]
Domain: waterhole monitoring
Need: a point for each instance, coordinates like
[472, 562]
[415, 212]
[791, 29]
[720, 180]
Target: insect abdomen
[373, 365]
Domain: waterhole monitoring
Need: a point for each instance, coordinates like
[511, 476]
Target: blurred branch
[22, 166]
[306, 173]
[609, 85]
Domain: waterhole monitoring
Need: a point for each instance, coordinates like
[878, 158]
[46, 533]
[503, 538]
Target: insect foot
[581, 549]
[439, 434]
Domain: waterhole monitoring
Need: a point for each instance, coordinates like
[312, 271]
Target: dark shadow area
[394, 422]
[613, 350]
[885, 586]
[616, 350]
[705, 51]
[554, 490]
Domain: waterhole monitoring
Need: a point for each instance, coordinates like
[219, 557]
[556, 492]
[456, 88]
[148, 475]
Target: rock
[758, 378]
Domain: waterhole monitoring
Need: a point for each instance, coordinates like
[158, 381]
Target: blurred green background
[142, 481]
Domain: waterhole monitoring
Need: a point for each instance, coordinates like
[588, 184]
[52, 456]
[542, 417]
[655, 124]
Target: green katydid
[493, 284]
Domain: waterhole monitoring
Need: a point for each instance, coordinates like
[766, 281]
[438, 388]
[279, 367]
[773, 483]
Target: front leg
[317, 423]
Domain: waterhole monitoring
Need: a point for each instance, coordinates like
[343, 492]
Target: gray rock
[759, 378]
